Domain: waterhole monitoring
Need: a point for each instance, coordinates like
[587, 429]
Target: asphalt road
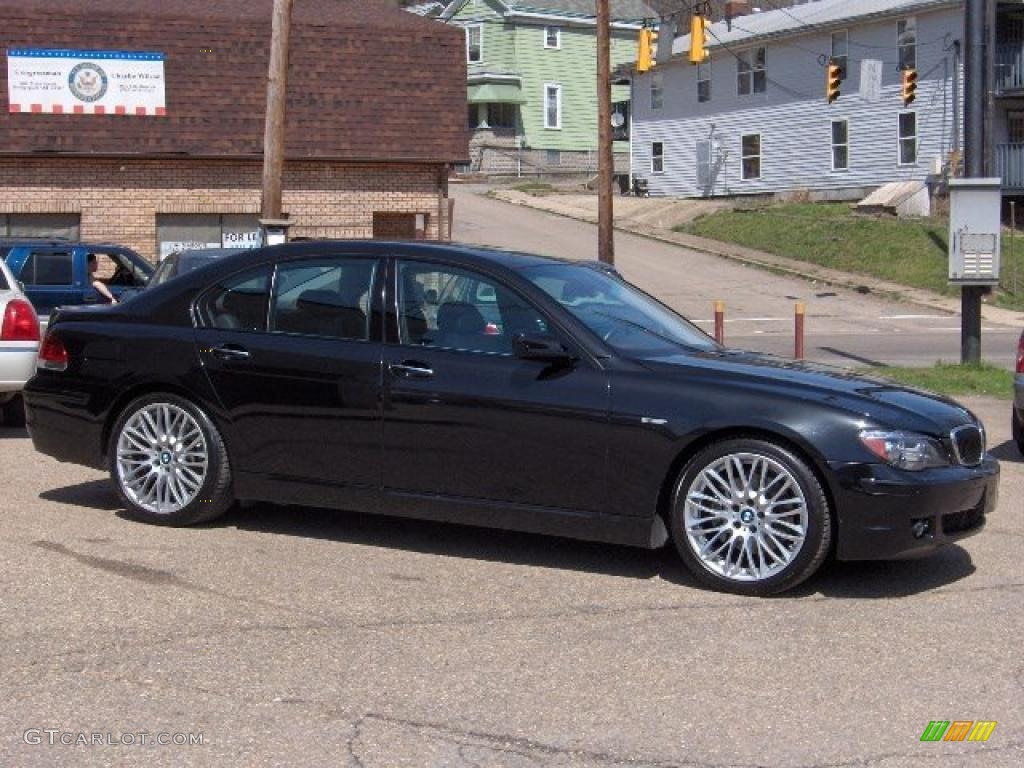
[294, 637]
[843, 327]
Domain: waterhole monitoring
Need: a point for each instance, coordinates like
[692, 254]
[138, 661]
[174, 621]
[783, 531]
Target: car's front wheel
[168, 462]
[750, 517]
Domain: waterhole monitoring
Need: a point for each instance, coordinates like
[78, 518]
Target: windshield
[627, 319]
[164, 272]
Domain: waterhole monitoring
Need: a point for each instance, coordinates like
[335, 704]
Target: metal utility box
[974, 229]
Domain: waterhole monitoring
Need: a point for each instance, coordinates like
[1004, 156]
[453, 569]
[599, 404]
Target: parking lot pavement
[283, 636]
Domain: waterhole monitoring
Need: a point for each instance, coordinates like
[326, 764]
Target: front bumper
[886, 513]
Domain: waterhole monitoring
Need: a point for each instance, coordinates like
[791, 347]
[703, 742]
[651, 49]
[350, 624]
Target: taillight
[1020, 354]
[20, 322]
[53, 355]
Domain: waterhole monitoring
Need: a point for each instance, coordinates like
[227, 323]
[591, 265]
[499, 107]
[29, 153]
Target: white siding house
[754, 119]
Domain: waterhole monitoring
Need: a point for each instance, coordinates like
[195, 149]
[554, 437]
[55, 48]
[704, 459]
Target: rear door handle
[411, 369]
[230, 352]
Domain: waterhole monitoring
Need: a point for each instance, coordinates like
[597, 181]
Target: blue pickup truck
[55, 273]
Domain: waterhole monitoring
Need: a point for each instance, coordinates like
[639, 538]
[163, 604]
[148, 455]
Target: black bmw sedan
[498, 389]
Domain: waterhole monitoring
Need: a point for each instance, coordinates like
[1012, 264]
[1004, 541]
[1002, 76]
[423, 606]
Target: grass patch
[954, 380]
[537, 188]
[912, 252]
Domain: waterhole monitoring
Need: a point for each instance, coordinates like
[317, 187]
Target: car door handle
[411, 369]
[230, 352]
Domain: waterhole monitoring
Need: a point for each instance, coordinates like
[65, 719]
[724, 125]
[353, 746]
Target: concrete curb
[760, 259]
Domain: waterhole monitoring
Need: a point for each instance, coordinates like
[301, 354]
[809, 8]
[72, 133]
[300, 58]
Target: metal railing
[1010, 165]
[1010, 67]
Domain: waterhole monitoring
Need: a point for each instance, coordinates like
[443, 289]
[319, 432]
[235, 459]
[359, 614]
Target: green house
[532, 81]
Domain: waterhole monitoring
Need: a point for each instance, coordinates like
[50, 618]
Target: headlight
[905, 450]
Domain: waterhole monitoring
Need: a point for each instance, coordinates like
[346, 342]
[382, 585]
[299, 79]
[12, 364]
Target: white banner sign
[871, 79]
[242, 239]
[62, 81]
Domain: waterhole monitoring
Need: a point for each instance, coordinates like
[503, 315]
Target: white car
[19, 345]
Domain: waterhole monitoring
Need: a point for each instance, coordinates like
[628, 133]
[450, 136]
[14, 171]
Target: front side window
[552, 37]
[627, 319]
[704, 80]
[658, 157]
[751, 156]
[840, 145]
[453, 308]
[552, 106]
[329, 298]
[657, 91]
[840, 51]
[908, 138]
[474, 44]
[751, 72]
[48, 268]
[238, 303]
[906, 42]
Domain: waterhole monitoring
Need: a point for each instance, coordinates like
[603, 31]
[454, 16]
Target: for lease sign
[78, 82]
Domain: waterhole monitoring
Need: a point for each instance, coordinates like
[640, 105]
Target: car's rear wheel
[13, 412]
[168, 462]
[1018, 431]
[749, 516]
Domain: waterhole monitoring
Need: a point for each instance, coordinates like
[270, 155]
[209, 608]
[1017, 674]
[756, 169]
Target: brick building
[375, 117]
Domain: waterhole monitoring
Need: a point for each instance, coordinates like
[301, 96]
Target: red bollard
[798, 351]
[720, 322]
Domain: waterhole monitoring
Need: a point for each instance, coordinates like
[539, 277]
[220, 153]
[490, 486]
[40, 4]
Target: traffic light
[833, 80]
[645, 50]
[909, 86]
[698, 39]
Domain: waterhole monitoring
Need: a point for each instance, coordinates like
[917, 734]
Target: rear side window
[237, 303]
[48, 268]
[329, 297]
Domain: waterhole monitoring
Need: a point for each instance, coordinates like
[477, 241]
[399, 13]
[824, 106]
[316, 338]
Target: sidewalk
[654, 218]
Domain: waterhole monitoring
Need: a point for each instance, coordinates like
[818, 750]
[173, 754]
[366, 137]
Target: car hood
[878, 401]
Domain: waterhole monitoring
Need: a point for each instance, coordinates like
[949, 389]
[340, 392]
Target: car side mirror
[546, 348]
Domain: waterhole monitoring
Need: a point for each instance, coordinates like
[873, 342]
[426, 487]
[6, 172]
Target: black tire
[1018, 431]
[13, 412]
[214, 495]
[743, 520]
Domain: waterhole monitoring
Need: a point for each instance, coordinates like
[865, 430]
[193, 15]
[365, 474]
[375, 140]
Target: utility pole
[273, 132]
[974, 161]
[605, 167]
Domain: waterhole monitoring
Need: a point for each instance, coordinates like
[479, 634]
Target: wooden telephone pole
[273, 132]
[605, 166]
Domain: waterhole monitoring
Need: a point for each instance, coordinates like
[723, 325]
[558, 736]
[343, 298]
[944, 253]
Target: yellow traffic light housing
[909, 86]
[645, 50]
[698, 39]
[833, 81]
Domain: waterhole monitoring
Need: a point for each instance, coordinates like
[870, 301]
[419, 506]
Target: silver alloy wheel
[745, 516]
[162, 458]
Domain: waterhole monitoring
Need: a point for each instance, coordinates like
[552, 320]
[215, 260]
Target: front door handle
[230, 352]
[411, 369]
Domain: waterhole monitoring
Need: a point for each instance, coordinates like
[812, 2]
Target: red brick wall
[118, 200]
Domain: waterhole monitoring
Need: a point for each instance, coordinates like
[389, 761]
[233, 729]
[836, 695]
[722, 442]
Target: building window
[657, 91]
[554, 157]
[840, 51]
[908, 138]
[704, 80]
[552, 106]
[906, 41]
[553, 37]
[750, 71]
[658, 157]
[475, 44]
[750, 146]
[840, 145]
[501, 115]
[195, 231]
[66, 225]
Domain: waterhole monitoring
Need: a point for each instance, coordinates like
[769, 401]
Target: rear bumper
[17, 364]
[886, 513]
[62, 426]
[1018, 395]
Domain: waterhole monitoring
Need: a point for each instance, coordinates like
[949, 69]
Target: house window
[554, 156]
[840, 51]
[552, 106]
[704, 80]
[501, 115]
[750, 71]
[475, 44]
[750, 146]
[906, 41]
[908, 138]
[840, 145]
[658, 157]
[553, 37]
[657, 91]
